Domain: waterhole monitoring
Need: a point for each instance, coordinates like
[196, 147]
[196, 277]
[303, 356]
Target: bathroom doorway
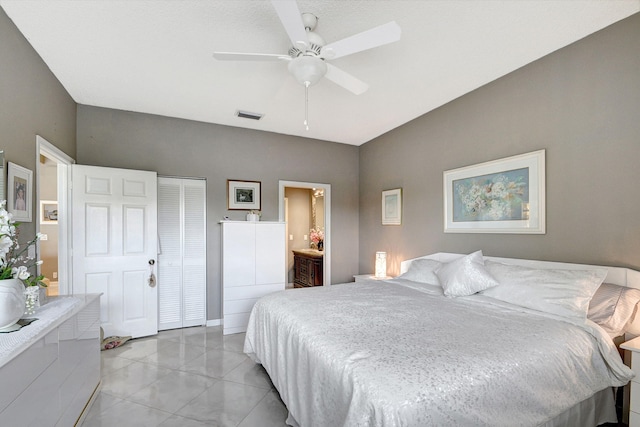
[306, 209]
[51, 217]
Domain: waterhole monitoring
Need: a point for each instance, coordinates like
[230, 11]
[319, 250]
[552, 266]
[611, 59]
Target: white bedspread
[381, 354]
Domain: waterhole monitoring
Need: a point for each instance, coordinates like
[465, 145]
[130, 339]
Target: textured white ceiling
[155, 56]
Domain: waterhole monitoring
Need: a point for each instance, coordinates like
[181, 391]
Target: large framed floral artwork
[500, 196]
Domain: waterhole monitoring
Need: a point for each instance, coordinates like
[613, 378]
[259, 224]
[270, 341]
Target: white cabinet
[182, 259]
[253, 265]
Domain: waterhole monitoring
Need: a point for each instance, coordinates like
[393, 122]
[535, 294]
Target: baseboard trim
[214, 322]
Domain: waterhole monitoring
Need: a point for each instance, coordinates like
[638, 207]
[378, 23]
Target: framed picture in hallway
[48, 212]
[500, 196]
[243, 195]
[19, 187]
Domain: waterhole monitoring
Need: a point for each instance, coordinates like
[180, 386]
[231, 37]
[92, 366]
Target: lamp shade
[381, 265]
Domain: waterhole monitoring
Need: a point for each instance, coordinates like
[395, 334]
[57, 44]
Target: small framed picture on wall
[392, 207]
[19, 187]
[48, 212]
[243, 195]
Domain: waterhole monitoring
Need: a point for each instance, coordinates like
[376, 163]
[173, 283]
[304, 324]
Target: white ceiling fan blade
[291, 19]
[346, 80]
[233, 56]
[378, 36]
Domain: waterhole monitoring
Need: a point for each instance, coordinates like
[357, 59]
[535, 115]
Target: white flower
[14, 261]
[498, 210]
[5, 245]
[499, 190]
[20, 272]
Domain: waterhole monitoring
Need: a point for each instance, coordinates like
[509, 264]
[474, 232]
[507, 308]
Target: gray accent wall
[581, 104]
[177, 147]
[32, 102]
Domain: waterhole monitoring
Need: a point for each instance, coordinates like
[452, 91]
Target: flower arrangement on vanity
[317, 238]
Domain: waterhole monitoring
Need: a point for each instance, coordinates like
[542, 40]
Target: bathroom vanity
[307, 268]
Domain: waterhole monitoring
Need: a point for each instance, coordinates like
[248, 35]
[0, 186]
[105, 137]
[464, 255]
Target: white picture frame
[392, 207]
[48, 212]
[243, 195]
[19, 196]
[500, 196]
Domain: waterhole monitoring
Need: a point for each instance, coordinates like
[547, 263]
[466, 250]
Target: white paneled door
[115, 244]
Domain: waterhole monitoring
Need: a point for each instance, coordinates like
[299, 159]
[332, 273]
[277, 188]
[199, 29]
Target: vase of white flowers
[15, 278]
[253, 216]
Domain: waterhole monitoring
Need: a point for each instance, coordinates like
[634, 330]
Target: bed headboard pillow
[423, 271]
[465, 276]
[561, 292]
[612, 307]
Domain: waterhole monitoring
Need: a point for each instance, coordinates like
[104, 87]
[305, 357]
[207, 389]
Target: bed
[410, 352]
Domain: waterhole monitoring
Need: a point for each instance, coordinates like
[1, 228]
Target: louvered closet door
[194, 258]
[182, 259]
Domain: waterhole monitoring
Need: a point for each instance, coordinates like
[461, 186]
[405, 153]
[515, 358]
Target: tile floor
[185, 377]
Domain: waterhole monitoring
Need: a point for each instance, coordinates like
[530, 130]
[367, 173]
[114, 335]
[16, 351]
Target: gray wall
[32, 101]
[179, 147]
[581, 104]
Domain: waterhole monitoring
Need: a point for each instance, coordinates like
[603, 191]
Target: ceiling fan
[309, 54]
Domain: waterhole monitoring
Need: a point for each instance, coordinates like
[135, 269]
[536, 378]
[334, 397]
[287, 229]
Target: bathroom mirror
[317, 209]
[3, 177]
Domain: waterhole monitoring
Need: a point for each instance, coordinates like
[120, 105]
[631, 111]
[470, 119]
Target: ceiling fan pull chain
[306, 104]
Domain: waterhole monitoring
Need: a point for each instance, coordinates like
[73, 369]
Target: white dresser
[50, 369]
[253, 265]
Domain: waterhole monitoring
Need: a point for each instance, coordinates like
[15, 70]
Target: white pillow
[422, 270]
[561, 292]
[465, 276]
[612, 307]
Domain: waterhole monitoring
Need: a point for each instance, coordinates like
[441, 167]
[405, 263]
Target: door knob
[152, 277]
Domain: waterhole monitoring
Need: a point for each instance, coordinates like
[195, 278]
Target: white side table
[634, 398]
[365, 277]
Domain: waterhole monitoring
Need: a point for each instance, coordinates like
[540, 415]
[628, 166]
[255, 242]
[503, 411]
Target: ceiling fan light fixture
[307, 70]
[308, 51]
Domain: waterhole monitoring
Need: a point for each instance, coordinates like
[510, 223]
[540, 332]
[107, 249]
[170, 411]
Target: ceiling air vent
[248, 115]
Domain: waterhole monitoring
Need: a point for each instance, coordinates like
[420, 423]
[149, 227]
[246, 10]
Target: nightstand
[365, 277]
[634, 394]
